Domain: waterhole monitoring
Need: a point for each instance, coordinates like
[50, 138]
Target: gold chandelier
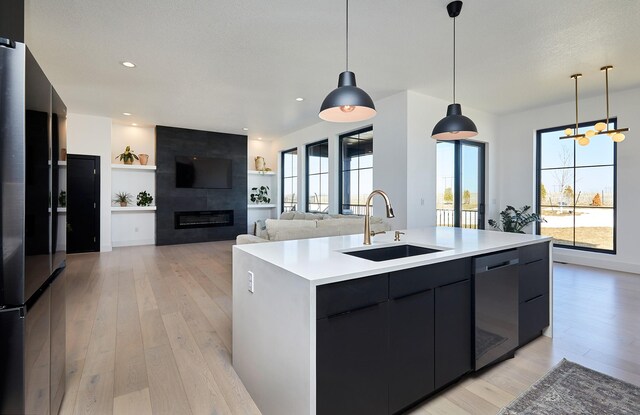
[601, 127]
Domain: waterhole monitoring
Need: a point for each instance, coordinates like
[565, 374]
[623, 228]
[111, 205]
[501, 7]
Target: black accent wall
[12, 20]
[172, 142]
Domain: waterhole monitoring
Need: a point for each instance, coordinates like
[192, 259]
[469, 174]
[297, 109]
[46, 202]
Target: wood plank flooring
[149, 332]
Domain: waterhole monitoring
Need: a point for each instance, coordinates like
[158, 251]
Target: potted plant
[144, 159]
[123, 198]
[127, 156]
[514, 220]
[144, 199]
[260, 194]
[62, 199]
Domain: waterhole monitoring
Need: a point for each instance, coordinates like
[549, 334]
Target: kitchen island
[319, 330]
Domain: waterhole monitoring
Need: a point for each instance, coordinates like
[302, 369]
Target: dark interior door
[83, 203]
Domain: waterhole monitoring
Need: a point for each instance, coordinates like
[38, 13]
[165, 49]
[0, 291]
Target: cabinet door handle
[412, 294]
[502, 264]
[455, 283]
[533, 262]
[355, 310]
[534, 298]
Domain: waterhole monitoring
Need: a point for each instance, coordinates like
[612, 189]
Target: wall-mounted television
[203, 172]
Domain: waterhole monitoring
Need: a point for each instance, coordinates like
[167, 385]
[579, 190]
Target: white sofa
[301, 225]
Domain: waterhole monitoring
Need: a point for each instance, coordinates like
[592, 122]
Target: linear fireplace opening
[203, 219]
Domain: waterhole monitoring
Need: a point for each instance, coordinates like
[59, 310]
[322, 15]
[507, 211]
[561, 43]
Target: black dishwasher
[496, 306]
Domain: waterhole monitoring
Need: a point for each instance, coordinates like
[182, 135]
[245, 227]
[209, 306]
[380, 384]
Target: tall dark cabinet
[32, 278]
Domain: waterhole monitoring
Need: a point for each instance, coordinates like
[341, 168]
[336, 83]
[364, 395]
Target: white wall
[516, 158]
[261, 148]
[91, 135]
[141, 139]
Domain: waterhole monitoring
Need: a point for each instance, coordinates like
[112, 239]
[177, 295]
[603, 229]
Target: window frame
[340, 165]
[283, 177]
[306, 176]
[614, 121]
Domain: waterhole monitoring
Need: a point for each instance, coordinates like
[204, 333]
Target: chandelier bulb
[618, 137]
[590, 133]
[584, 140]
[600, 126]
[568, 131]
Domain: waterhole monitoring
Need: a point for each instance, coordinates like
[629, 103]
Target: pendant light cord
[347, 34]
[454, 60]
[606, 74]
[576, 82]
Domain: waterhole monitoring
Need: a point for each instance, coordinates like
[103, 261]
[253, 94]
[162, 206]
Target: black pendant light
[347, 103]
[454, 126]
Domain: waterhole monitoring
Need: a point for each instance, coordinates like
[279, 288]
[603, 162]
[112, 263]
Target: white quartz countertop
[321, 261]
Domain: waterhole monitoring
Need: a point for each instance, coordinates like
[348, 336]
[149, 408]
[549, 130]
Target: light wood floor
[149, 331]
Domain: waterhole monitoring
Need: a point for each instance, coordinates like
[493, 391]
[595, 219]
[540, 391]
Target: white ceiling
[224, 65]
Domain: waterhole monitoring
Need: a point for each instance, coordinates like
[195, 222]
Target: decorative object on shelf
[515, 220]
[144, 199]
[260, 194]
[144, 159]
[454, 126]
[582, 139]
[123, 198]
[127, 156]
[260, 163]
[63, 154]
[347, 103]
[62, 199]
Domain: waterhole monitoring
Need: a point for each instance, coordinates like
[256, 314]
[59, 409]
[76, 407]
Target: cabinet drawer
[532, 253]
[350, 295]
[414, 280]
[533, 279]
[533, 318]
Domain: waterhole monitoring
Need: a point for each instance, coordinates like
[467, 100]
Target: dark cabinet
[352, 342]
[533, 291]
[351, 357]
[452, 332]
[411, 342]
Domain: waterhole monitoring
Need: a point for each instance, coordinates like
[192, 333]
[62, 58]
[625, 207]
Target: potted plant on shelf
[144, 199]
[144, 159]
[123, 198]
[127, 156]
[514, 220]
[62, 199]
[260, 194]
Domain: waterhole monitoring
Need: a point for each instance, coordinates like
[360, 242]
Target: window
[318, 177]
[356, 170]
[576, 189]
[460, 184]
[289, 183]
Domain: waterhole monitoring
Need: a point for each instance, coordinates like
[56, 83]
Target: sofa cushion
[302, 216]
[301, 233]
[275, 225]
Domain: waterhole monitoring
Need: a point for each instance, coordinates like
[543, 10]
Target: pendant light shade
[454, 126]
[347, 103]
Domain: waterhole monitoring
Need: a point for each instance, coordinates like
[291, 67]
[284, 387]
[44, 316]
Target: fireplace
[203, 219]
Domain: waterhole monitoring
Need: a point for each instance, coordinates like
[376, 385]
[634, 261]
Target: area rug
[569, 388]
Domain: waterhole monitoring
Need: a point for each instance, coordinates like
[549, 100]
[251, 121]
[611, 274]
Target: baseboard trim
[562, 255]
[138, 242]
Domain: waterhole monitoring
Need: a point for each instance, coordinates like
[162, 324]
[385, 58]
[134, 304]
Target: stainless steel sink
[392, 252]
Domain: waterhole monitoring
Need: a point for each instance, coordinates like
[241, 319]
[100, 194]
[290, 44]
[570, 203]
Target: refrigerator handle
[7, 43]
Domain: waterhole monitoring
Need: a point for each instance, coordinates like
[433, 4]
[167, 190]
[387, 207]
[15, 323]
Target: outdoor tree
[597, 200]
[543, 193]
[563, 176]
[568, 193]
[448, 195]
[466, 197]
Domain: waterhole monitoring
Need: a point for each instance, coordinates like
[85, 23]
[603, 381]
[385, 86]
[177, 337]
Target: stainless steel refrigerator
[32, 280]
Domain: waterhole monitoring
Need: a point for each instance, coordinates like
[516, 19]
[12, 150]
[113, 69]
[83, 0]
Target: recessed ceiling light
[245, 129]
[134, 124]
[259, 138]
[128, 64]
[299, 99]
[126, 113]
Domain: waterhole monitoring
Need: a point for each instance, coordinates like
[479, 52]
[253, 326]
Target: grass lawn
[592, 237]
